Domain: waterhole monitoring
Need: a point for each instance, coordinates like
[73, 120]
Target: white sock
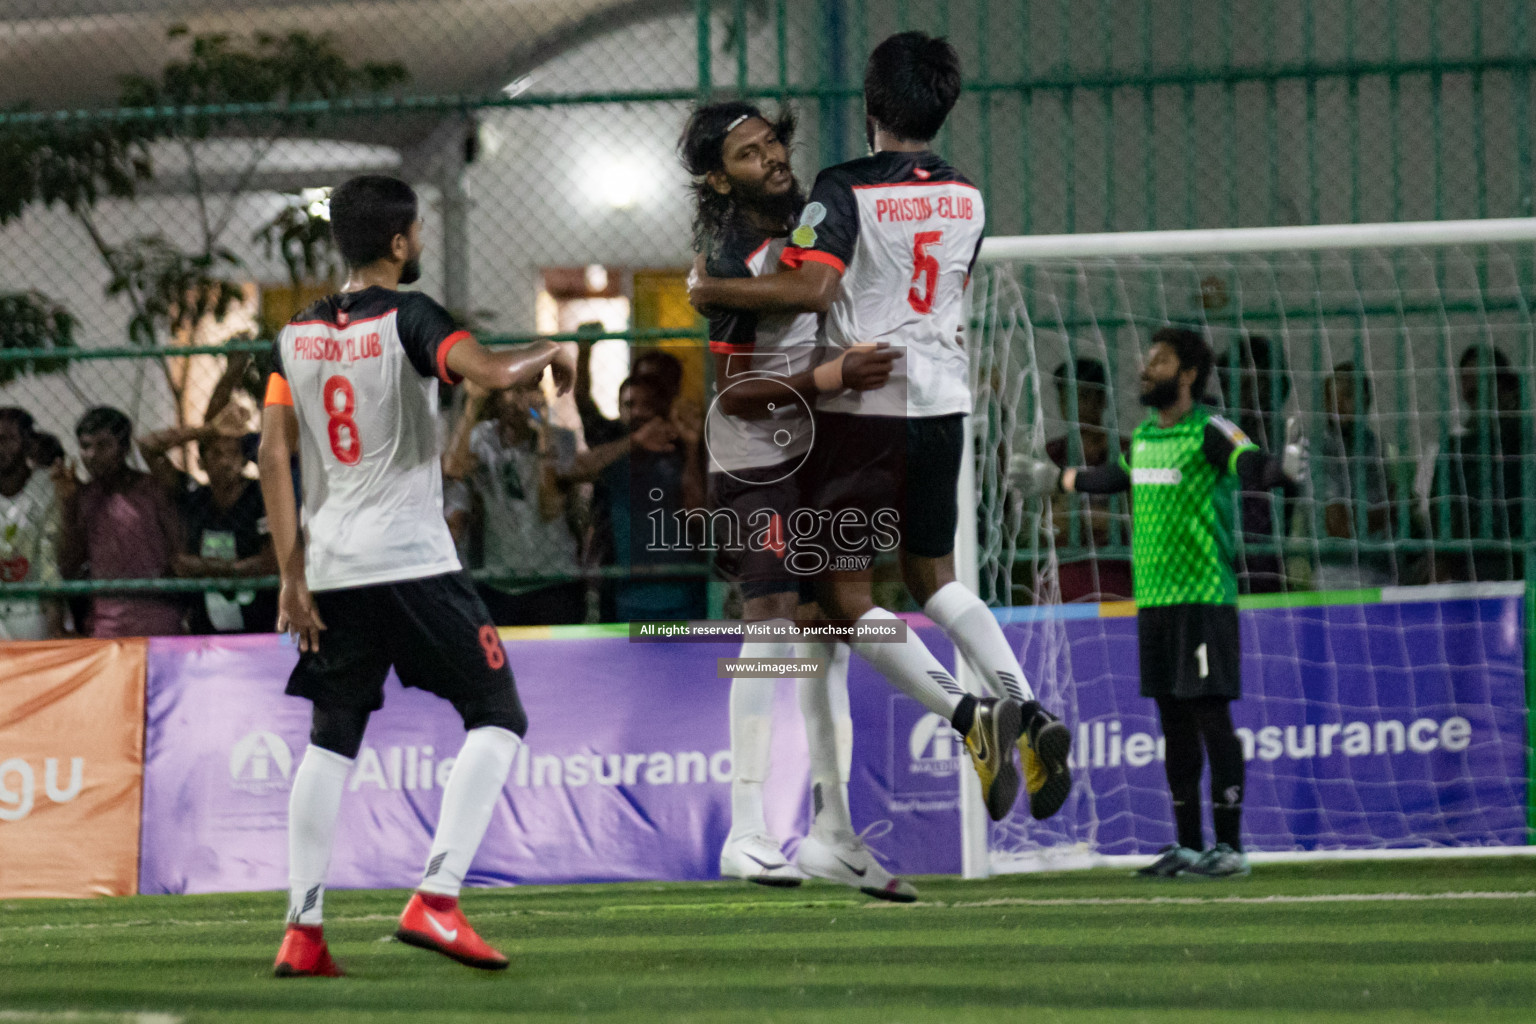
[842, 715]
[911, 667]
[829, 795]
[312, 808]
[971, 625]
[473, 788]
[751, 735]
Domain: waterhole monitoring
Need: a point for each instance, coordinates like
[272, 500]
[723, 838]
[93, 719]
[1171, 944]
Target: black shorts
[435, 631]
[887, 478]
[750, 543]
[1189, 650]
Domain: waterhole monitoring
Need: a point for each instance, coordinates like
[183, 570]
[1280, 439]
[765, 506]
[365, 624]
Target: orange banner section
[71, 767]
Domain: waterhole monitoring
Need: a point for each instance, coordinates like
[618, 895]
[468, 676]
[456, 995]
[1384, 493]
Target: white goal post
[1388, 293]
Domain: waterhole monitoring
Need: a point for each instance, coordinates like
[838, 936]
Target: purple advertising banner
[625, 774]
[1364, 726]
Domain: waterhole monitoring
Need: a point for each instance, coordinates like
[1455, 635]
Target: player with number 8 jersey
[371, 580]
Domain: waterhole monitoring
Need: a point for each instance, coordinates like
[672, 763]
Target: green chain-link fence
[160, 161]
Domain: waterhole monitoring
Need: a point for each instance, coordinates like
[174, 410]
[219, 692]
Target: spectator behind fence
[29, 533]
[651, 363]
[515, 462]
[1090, 578]
[1477, 504]
[45, 451]
[1264, 384]
[644, 480]
[1353, 488]
[120, 525]
[223, 523]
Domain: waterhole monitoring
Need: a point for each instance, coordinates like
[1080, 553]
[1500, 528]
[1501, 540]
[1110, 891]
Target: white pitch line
[86, 1017]
[1189, 901]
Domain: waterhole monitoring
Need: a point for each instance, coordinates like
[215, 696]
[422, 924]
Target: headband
[737, 123]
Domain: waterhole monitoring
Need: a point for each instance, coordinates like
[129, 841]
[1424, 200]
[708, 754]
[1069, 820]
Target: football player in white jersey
[371, 580]
[884, 250]
[758, 434]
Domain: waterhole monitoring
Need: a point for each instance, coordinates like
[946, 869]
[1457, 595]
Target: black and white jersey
[759, 345]
[360, 370]
[904, 230]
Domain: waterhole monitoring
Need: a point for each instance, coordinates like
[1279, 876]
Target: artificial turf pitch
[1401, 941]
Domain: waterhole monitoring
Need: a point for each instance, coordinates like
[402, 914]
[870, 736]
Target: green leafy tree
[300, 235]
[77, 164]
[31, 320]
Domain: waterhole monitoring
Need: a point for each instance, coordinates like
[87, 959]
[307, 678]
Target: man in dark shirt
[1082, 576]
[1262, 386]
[650, 474]
[225, 526]
[1479, 495]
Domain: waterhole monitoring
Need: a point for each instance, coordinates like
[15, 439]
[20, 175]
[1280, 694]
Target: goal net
[1384, 600]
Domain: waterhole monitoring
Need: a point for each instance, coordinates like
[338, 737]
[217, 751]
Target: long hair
[701, 148]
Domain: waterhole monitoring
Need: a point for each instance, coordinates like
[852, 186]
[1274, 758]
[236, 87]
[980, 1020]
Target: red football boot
[304, 954]
[435, 922]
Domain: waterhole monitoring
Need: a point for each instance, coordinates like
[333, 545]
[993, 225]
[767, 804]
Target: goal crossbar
[1237, 240]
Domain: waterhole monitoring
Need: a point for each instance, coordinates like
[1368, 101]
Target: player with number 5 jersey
[370, 578]
[884, 249]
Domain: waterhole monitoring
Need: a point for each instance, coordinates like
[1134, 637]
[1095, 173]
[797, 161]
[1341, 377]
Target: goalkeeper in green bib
[1183, 472]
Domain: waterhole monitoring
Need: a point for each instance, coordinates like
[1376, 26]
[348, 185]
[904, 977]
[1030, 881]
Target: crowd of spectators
[1360, 522]
[554, 518]
[558, 519]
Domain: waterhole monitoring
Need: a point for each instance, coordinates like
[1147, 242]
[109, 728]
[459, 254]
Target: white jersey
[360, 370]
[758, 345]
[29, 536]
[904, 230]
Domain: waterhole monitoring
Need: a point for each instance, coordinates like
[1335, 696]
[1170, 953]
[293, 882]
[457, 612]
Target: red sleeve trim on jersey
[794, 257]
[333, 324]
[917, 184]
[447, 343]
[278, 392]
[729, 348]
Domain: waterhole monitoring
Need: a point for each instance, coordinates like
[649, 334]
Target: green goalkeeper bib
[1182, 514]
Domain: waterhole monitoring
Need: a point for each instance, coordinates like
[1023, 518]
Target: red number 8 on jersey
[342, 428]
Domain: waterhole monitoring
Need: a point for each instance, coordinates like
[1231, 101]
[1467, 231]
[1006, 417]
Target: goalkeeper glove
[1032, 477]
[1293, 460]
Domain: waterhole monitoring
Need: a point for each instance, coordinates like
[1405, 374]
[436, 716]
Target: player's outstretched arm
[1229, 450]
[808, 288]
[864, 368]
[296, 613]
[1037, 478]
[505, 368]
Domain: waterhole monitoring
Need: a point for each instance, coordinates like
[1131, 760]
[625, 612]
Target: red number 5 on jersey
[925, 268]
[340, 407]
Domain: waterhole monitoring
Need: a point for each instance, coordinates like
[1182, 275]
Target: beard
[411, 272]
[782, 208]
[1161, 394]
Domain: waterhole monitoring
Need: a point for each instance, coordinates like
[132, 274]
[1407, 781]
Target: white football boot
[757, 858]
[850, 862]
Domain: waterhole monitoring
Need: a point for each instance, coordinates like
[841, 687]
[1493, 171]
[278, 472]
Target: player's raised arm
[503, 368]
